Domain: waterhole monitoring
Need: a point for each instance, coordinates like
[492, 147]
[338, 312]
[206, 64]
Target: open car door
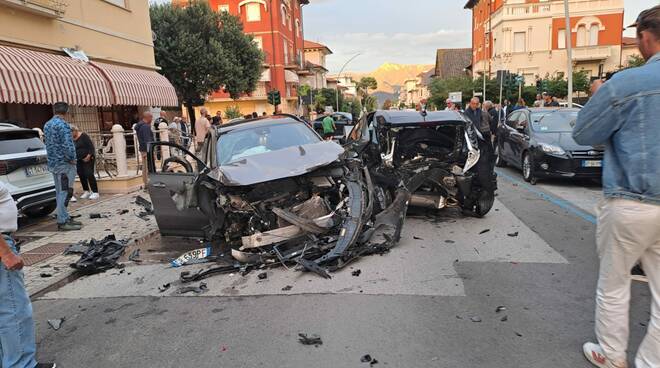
[169, 179]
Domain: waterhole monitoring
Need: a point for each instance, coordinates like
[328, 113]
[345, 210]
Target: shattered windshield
[242, 143]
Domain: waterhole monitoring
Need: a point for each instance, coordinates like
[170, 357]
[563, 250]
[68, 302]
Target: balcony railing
[48, 8]
[551, 8]
[587, 53]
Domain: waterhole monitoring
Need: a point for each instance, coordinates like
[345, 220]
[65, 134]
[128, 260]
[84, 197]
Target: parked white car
[23, 167]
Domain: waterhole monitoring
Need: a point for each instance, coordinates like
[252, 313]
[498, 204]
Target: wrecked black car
[274, 192]
[436, 153]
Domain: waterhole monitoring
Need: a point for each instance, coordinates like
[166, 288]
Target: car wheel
[528, 169]
[499, 161]
[485, 203]
[41, 211]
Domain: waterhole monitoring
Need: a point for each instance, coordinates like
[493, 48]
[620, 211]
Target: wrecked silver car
[437, 154]
[273, 192]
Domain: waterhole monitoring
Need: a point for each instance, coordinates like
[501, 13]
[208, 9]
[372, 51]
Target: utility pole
[569, 51]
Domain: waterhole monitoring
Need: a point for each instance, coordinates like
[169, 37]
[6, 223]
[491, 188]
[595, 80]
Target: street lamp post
[339, 76]
[569, 51]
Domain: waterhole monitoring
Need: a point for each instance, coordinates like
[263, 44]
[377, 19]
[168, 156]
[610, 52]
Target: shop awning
[291, 77]
[132, 86]
[265, 76]
[33, 77]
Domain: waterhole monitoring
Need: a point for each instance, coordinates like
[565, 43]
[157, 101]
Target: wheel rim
[527, 167]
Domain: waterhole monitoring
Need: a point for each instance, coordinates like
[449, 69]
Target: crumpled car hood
[280, 164]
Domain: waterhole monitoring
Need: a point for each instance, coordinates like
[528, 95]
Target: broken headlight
[473, 154]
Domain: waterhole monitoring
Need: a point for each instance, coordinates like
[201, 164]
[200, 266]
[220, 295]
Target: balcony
[591, 53]
[554, 8]
[47, 8]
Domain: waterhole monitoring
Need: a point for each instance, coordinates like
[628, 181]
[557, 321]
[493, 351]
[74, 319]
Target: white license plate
[592, 163]
[36, 170]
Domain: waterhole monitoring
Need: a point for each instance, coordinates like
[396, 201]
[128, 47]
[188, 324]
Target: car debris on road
[275, 194]
[98, 255]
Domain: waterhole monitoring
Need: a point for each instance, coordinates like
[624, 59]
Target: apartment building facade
[315, 73]
[277, 28]
[97, 55]
[529, 36]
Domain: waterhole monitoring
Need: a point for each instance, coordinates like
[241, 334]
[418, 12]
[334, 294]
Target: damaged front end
[309, 207]
[440, 158]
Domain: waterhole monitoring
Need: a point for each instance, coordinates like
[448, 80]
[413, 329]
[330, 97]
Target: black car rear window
[13, 142]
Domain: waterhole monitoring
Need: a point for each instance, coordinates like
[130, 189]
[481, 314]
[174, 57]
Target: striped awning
[131, 86]
[291, 77]
[33, 77]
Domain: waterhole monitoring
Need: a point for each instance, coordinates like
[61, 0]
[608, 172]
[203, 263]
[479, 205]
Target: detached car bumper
[34, 199]
[551, 166]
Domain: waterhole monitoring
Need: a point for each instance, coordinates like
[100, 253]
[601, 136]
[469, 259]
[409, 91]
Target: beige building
[110, 75]
[416, 90]
[315, 73]
[529, 36]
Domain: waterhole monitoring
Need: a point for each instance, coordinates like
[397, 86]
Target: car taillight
[4, 167]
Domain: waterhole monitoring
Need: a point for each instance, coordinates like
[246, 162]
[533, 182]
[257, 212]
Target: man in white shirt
[202, 126]
[17, 341]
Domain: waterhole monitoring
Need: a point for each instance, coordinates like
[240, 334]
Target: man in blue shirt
[61, 154]
[624, 115]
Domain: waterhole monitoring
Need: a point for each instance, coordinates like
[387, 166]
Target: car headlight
[549, 148]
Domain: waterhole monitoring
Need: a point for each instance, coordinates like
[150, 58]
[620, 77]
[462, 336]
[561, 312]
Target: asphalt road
[417, 306]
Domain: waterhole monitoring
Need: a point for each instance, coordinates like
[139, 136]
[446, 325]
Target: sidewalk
[42, 245]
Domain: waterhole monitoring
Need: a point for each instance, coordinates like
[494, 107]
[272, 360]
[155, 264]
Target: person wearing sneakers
[85, 153]
[623, 114]
[17, 341]
[61, 156]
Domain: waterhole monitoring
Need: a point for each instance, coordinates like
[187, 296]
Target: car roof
[8, 127]
[412, 117]
[550, 109]
[263, 121]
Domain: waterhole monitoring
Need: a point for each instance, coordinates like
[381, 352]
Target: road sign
[456, 96]
[477, 94]
[520, 80]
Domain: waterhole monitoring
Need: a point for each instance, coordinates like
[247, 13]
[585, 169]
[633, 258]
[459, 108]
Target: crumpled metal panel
[280, 164]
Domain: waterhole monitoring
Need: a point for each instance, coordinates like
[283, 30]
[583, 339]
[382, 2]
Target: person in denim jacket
[624, 115]
[17, 342]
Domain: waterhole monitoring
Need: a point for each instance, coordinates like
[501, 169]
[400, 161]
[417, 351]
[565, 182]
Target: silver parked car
[23, 168]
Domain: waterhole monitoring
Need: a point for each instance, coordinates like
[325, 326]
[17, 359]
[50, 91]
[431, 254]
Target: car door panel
[507, 142]
[162, 187]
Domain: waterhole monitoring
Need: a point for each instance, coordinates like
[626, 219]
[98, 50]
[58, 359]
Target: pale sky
[395, 31]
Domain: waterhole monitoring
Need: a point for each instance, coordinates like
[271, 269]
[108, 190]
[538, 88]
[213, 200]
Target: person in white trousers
[624, 115]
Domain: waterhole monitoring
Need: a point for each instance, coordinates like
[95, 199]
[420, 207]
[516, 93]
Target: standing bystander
[622, 114]
[85, 154]
[61, 154]
[17, 340]
[145, 136]
[202, 126]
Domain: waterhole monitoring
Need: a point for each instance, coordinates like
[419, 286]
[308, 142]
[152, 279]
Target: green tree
[201, 51]
[402, 105]
[330, 96]
[370, 103]
[233, 112]
[635, 61]
[364, 85]
[353, 106]
[440, 89]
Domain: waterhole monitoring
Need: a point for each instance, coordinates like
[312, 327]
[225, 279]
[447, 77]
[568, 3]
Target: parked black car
[539, 142]
[437, 153]
[342, 120]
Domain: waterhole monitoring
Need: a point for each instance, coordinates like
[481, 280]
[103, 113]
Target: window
[253, 12]
[283, 15]
[593, 35]
[582, 36]
[286, 53]
[297, 27]
[519, 42]
[223, 8]
[259, 41]
[288, 20]
[561, 39]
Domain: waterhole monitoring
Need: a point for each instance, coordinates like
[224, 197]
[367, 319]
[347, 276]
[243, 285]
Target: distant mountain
[392, 76]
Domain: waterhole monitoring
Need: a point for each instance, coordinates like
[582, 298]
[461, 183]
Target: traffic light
[274, 97]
